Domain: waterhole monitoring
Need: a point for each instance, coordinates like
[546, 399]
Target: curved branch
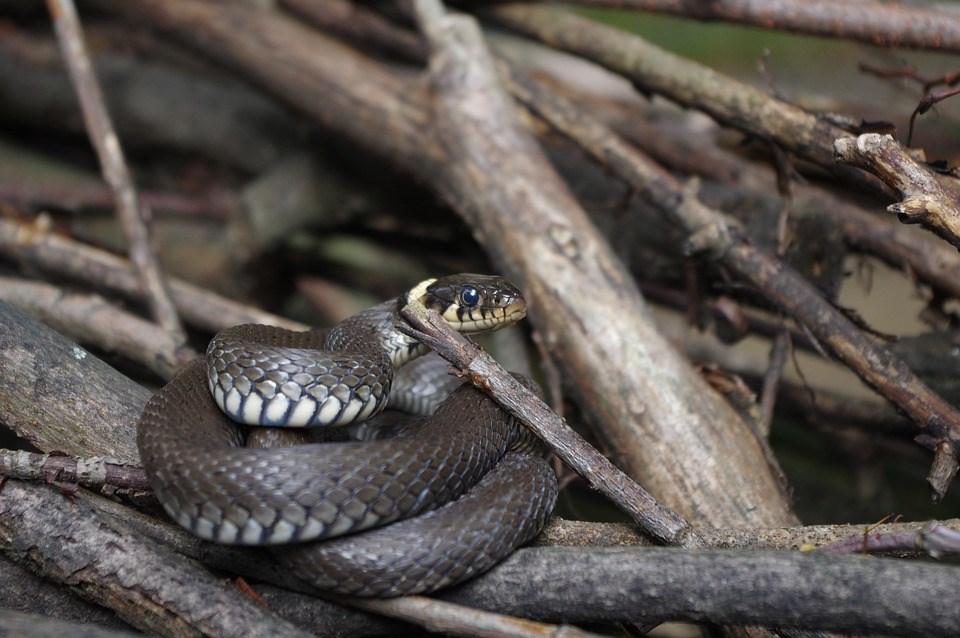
[924, 200]
[91, 319]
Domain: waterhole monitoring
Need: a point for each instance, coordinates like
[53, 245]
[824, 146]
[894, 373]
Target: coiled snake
[466, 497]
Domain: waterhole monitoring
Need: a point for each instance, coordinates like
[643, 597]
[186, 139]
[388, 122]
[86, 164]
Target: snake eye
[469, 297]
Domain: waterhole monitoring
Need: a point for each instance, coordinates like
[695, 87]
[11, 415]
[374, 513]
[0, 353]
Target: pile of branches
[303, 151]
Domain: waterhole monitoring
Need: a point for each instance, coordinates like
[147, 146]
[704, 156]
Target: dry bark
[96, 473]
[104, 561]
[560, 532]
[20, 625]
[46, 385]
[26, 593]
[93, 320]
[841, 593]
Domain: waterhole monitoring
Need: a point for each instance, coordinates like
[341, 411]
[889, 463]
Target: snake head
[472, 304]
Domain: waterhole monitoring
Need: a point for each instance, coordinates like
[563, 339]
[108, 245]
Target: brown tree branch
[132, 214]
[215, 206]
[458, 620]
[35, 246]
[580, 294]
[216, 117]
[924, 200]
[361, 24]
[880, 23]
[809, 590]
[918, 538]
[654, 70]
[94, 473]
[935, 538]
[925, 257]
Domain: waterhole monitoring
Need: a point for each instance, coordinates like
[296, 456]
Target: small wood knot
[565, 239]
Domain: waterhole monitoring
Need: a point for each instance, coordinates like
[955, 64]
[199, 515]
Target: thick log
[805, 590]
[106, 562]
[46, 383]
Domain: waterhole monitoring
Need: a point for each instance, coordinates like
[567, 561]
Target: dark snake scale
[453, 494]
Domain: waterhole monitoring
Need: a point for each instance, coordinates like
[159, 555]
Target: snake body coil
[260, 375]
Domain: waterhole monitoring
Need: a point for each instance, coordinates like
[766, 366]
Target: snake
[451, 495]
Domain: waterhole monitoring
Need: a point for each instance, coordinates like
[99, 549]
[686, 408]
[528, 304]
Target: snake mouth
[488, 319]
[471, 303]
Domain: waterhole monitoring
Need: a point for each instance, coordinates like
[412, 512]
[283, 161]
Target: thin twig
[95, 472]
[934, 538]
[880, 23]
[484, 372]
[926, 257]
[132, 214]
[689, 84]
[771, 378]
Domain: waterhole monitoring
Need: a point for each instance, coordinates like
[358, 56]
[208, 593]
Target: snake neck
[376, 325]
